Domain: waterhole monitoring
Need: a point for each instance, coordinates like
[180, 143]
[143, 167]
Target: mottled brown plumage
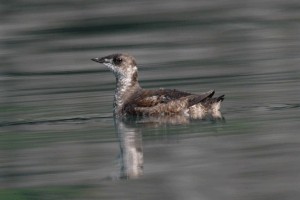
[131, 99]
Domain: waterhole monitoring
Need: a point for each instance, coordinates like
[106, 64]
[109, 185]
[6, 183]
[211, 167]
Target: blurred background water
[58, 139]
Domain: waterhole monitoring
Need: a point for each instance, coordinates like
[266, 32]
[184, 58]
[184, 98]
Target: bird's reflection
[129, 131]
[131, 150]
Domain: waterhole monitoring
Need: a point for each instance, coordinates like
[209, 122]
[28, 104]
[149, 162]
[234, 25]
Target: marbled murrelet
[131, 99]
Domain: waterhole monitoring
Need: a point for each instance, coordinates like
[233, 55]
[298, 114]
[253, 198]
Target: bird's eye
[118, 60]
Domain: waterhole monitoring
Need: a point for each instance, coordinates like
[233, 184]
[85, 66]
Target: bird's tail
[213, 100]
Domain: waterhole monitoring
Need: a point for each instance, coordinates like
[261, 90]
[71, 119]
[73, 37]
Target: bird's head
[122, 65]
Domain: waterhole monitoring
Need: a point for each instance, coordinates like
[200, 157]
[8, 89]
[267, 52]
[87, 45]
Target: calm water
[58, 137]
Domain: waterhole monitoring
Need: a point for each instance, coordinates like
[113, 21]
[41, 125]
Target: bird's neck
[126, 86]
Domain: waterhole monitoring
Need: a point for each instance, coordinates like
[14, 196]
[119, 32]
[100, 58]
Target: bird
[130, 99]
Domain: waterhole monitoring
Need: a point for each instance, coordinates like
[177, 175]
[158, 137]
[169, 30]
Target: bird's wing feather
[149, 98]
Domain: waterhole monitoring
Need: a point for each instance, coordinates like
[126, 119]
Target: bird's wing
[164, 100]
[149, 98]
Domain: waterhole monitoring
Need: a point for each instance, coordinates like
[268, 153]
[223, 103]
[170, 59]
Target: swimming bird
[131, 99]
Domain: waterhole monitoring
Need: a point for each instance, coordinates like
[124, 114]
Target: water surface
[58, 138]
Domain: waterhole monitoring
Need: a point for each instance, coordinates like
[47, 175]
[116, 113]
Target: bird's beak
[104, 60]
[99, 60]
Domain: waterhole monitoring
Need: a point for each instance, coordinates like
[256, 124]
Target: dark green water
[57, 133]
